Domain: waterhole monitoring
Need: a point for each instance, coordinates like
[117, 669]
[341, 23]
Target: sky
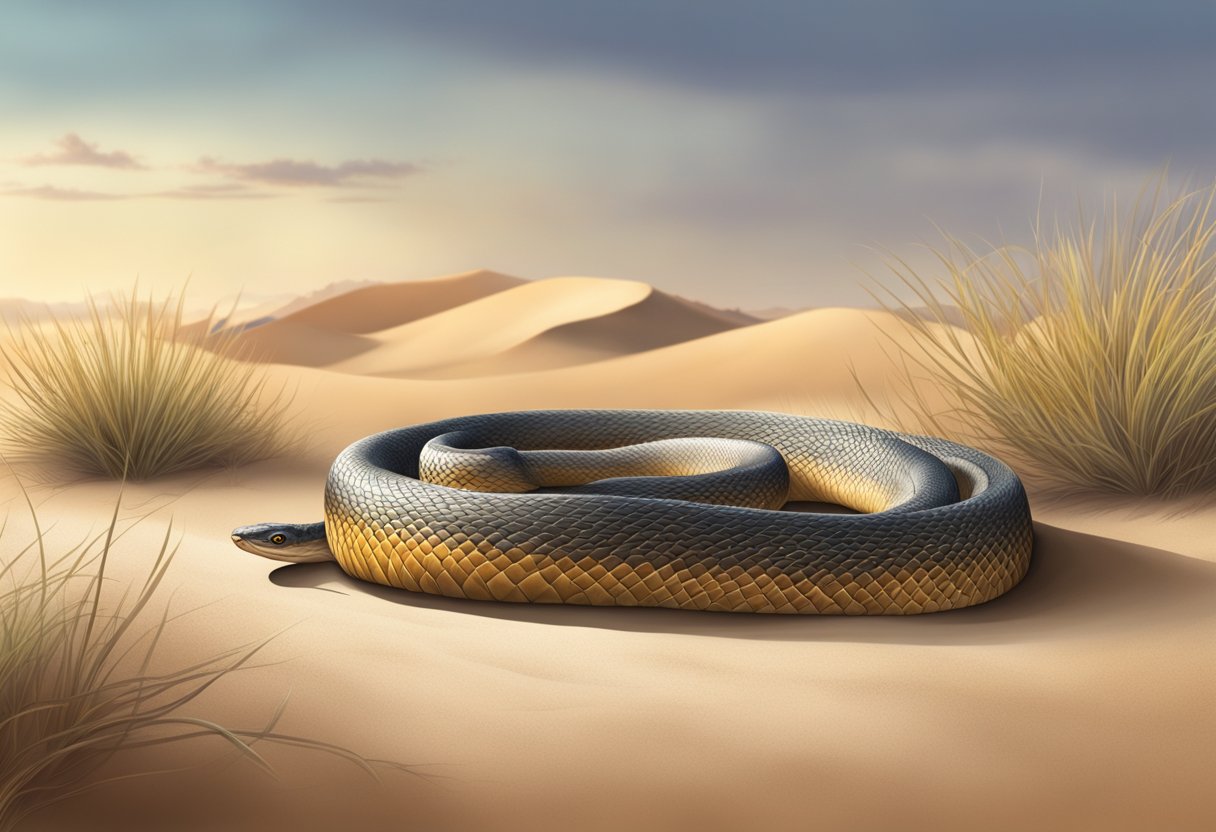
[745, 154]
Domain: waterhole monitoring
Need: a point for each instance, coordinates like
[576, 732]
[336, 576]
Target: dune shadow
[1077, 583]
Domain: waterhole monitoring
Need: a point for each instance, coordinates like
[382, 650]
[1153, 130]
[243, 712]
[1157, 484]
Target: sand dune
[735, 316]
[540, 325]
[289, 342]
[800, 364]
[772, 313]
[658, 320]
[483, 324]
[1077, 701]
[334, 329]
[492, 325]
[292, 305]
[810, 356]
[385, 305]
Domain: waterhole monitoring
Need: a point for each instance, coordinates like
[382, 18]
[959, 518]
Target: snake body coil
[919, 546]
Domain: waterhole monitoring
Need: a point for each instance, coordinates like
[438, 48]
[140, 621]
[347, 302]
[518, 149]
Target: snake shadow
[1076, 583]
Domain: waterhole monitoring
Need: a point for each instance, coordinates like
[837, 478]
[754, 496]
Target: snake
[668, 508]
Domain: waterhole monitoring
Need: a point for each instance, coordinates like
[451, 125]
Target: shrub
[76, 685]
[1089, 359]
[131, 392]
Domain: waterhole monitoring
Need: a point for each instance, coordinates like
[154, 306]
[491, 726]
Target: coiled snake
[478, 507]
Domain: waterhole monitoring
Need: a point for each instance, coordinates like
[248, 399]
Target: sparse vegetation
[131, 392]
[78, 683]
[1089, 359]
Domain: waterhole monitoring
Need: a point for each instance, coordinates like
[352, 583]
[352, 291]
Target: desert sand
[1080, 700]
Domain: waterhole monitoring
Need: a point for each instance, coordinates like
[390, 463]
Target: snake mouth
[244, 545]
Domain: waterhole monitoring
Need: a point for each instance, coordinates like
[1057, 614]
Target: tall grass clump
[131, 392]
[1089, 358]
[79, 684]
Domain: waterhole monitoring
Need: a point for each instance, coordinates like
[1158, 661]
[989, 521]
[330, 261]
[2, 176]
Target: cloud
[865, 45]
[293, 173]
[213, 192]
[52, 193]
[73, 150]
[189, 192]
[1122, 79]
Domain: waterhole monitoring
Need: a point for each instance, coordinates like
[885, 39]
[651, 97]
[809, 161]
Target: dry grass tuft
[76, 680]
[130, 392]
[1089, 359]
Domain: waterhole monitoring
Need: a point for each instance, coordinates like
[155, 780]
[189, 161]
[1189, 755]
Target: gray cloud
[71, 149]
[1127, 80]
[1124, 78]
[862, 45]
[293, 173]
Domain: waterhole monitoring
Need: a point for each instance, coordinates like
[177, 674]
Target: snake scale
[483, 507]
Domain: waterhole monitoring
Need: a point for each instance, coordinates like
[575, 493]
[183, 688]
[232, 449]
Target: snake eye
[277, 538]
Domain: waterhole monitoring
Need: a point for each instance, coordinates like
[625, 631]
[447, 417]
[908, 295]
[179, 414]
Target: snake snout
[241, 543]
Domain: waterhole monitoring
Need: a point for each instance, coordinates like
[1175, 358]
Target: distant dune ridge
[383, 305]
[484, 323]
[333, 329]
[13, 310]
[242, 309]
[772, 313]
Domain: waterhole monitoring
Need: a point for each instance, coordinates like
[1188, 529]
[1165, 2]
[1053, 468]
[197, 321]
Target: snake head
[290, 542]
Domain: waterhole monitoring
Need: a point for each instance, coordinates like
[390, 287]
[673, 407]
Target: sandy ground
[1080, 700]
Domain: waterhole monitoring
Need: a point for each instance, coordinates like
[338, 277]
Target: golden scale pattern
[919, 548]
